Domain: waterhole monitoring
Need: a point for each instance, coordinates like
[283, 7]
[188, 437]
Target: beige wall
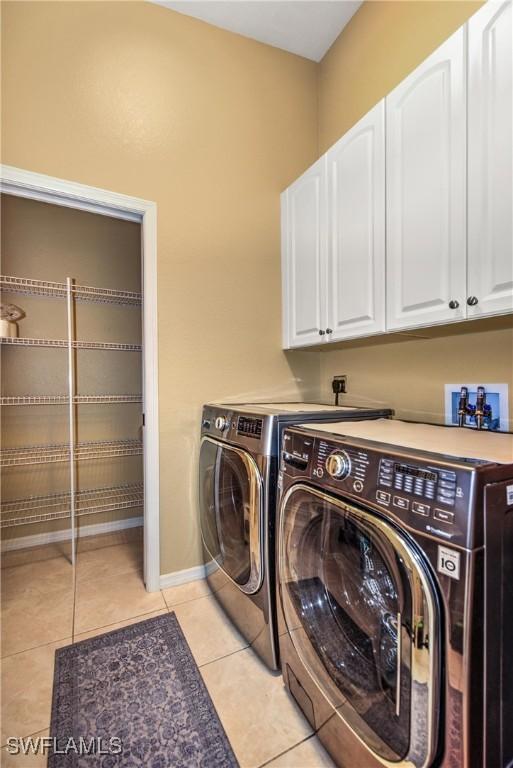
[408, 374]
[49, 242]
[212, 126]
[382, 43]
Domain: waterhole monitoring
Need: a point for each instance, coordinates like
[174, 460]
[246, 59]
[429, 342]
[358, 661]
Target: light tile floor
[41, 613]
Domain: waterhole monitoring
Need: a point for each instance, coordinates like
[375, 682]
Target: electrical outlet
[339, 384]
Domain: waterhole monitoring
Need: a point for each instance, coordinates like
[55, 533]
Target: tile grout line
[122, 621]
[117, 575]
[285, 751]
[36, 647]
[114, 576]
[213, 661]
[184, 602]
[28, 736]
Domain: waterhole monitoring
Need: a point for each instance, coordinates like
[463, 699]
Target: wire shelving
[73, 503]
[54, 290]
[57, 506]
[64, 399]
[64, 344]
[85, 451]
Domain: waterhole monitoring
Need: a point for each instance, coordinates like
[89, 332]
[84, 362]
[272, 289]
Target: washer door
[231, 512]
[361, 610]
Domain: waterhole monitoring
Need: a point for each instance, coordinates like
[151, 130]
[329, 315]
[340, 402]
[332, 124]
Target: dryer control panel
[429, 495]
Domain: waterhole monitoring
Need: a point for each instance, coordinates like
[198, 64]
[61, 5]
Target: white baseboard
[188, 574]
[38, 539]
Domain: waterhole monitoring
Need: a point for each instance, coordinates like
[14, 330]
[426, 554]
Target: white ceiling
[305, 27]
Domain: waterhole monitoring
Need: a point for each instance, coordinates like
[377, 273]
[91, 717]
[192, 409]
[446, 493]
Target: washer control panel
[321, 460]
[427, 495]
[429, 483]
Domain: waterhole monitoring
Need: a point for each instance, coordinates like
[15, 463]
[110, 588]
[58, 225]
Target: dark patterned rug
[134, 697]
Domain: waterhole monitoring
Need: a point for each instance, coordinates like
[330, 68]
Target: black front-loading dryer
[237, 499]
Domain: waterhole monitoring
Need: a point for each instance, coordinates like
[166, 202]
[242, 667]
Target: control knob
[338, 465]
[220, 423]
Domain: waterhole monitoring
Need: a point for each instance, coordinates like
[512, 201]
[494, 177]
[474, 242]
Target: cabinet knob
[453, 304]
[321, 333]
[329, 330]
[472, 301]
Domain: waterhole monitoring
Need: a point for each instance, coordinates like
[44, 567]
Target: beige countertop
[460, 442]
[296, 407]
[312, 407]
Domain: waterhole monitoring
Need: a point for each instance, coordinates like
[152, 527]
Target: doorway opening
[80, 379]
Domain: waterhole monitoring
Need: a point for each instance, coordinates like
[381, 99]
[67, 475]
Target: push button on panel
[421, 509]
[419, 488]
[447, 484]
[386, 471]
[444, 516]
[383, 497]
[401, 502]
[446, 497]
[446, 492]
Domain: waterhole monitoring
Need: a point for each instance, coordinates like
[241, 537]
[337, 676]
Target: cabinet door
[426, 191]
[356, 255]
[490, 177]
[303, 258]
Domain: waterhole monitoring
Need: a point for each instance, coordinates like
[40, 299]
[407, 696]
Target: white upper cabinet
[426, 191]
[407, 221]
[490, 178]
[356, 224]
[304, 239]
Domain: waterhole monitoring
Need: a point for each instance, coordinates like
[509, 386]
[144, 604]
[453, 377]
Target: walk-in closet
[72, 451]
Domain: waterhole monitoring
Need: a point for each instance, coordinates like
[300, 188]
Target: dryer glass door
[231, 512]
[360, 609]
